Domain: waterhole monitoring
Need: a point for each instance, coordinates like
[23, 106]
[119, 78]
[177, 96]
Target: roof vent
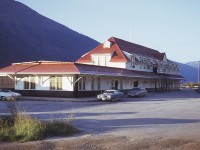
[107, 44]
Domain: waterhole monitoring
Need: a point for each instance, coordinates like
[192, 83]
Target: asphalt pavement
[162, 115]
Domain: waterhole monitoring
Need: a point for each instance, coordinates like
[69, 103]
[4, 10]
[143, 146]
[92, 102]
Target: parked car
[110, 95]
[137, 92]
[8, 95]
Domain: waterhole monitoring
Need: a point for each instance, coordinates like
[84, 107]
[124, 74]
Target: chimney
[107, 44]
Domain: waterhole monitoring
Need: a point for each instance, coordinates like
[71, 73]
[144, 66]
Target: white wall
[106, 82]
[101, 59]
[19, 84]
[43, 83]
[68, 83]
[117, 64]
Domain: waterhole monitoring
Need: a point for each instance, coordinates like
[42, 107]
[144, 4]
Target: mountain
[26, 35]
[194, 64]
[189, 72]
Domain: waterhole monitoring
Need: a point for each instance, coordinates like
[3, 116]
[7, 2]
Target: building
[114, 64]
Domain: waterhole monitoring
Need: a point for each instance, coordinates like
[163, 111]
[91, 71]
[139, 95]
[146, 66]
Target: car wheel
[3, 98]
[12, 99]
[103, 99]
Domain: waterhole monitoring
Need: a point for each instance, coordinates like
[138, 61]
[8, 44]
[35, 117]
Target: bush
[22, 127]
[59, 128]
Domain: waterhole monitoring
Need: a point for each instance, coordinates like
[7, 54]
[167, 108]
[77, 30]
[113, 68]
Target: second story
[123, 54]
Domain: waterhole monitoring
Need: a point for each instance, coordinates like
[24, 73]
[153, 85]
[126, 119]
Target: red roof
[119, 45]
[117, 56]
[40, 68]
[138, 49]
[74, 68]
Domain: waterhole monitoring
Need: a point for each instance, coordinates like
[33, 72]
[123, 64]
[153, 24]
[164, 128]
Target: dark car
[137, 92]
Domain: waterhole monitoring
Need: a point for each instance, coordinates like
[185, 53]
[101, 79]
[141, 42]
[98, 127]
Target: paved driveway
[171, 114]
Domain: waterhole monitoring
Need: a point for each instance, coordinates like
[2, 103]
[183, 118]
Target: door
[136, 84]
[116, 85]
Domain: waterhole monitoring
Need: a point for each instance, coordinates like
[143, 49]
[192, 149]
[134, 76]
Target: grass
[22, 127]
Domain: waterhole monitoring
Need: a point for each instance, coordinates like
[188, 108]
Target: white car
[110, 95]
[8, 95]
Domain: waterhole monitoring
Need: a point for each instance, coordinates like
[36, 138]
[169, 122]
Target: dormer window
[107, 44]
[133, 61]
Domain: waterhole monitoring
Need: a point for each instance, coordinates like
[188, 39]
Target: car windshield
[106, 92]
[4, 90]
[136, 89]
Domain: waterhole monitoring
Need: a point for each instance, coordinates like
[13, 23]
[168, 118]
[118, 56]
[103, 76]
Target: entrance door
[136, 84]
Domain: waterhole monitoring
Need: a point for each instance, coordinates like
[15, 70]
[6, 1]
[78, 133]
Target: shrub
[59, 128]
[27, 128]
[22, 127]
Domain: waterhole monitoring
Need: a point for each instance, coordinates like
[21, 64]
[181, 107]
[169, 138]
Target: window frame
[56, 83]
[98, 83]
[30, 83]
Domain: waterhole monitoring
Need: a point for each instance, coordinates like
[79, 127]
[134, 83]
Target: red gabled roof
[119, 45]
[117, 56]
[138, 49]
[75, 68]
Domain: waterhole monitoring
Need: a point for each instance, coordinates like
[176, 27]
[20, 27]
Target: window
[26, 83]
[132, 60]
[113, 84]
[99, 83]
[82, 83]
[29, 83]
[121, 84]
[84, 80]
[55, 83]
[52, 83]
[32, 82]
[59, 83]
[92, 83]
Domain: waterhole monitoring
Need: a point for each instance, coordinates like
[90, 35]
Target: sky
[170, 26]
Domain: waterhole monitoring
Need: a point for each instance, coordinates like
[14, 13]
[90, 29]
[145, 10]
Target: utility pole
[198, 71]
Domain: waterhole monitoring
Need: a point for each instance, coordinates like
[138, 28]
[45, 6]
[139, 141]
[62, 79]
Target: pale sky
[170, 26]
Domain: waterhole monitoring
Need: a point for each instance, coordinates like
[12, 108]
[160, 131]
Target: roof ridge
[137, 48]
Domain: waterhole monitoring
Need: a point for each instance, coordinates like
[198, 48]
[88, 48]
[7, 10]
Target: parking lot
[169, 114]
